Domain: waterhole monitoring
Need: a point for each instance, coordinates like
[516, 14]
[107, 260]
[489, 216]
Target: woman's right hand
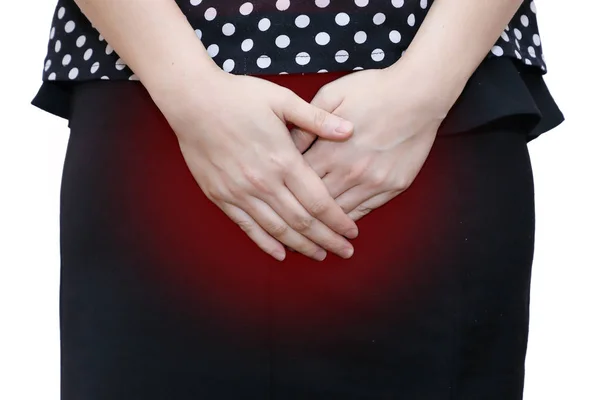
[233, 136]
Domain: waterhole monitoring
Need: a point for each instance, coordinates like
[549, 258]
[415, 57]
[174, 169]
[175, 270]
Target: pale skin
[235, 141]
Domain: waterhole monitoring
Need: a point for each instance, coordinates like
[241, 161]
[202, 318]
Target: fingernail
[344, 127]
[279, 255]
[320, 255]
[347, 253]
[352, 233]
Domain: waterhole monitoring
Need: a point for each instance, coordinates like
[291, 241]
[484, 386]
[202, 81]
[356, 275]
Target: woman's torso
[280, 36]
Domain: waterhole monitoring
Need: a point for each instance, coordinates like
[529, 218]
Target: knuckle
[401, 184]
[277, 229]
[302, 223]
[245, 225]
[257, 180]
[378, 177]
[318, 207]
[319, 117]
[363, 210]
[280, 164]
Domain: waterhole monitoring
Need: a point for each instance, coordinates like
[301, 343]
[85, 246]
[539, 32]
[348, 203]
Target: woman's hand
[232, 133]
[395, 120]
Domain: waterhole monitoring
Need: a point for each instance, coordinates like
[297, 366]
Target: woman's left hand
[396, 117]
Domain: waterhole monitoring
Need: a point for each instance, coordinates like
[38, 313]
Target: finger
[317, 159]
[337, 183]
[275, 226]
[302, 139]
[257, 234]
[295, 215]
[310, 191]
[315, 120]
[371, 204]
[356, 196]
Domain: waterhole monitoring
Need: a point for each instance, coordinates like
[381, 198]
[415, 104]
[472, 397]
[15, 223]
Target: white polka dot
[47, 65]
[95, 67]
[321, 3]
[69, 26]
[198, 33]
[302, 58]
[281, 5]
[212, 50]
[531, 52]
[88, 54]
[66, 59]
[527, 61]
[80, 41]
[518, 44]
[228, 65]
[322, 71]
[518, 54]
[246, 8]
[341, 56]
[195, 2]
[302, 21]
[105, 78]
[395, 36]
[423, 4]
[101, 38]
[283, 73]
[398, 3]
[134, 77]
[228, 29]
[518, 33]
[120, 65]
[411, 20]
[504, 36]
[379, 18]
[61, 13]
[360, 37]
[264, 24]
[357, 69]
[108, 49]
[264, 61]
[536, 40]
[57, 46]
[52, 77]
[282, 41]
[342, 19]
[361, 3]
[247, 44]
[52, 32]
[210, 13]
[497, 51]
[533, 7]
[322, 38]
[377, 55]
[73, 73]
[524, 20]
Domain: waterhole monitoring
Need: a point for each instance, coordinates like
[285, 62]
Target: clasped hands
[281, 194]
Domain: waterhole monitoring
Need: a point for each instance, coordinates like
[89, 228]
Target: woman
[296, 119]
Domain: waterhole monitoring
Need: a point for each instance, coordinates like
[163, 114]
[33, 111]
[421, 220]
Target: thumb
[316, 121]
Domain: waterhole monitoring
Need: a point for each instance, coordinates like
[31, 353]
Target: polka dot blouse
[280, 36]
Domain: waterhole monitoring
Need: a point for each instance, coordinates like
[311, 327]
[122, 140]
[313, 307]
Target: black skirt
[163, 297]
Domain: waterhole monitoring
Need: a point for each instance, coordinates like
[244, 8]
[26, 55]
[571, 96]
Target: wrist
[178, 91]
[436, 83]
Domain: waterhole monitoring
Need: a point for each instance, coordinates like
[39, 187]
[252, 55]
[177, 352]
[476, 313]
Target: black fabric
[162, 297]
[275, 36]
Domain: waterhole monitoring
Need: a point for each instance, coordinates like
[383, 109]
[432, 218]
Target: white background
[564, 348]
